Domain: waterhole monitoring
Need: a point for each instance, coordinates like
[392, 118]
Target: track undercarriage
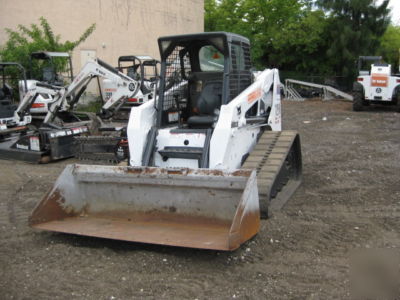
[277, 160]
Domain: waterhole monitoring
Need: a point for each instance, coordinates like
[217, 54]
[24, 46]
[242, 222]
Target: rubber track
[267, 158]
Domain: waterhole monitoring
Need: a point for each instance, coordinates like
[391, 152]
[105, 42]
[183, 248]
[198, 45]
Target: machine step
[182, 152]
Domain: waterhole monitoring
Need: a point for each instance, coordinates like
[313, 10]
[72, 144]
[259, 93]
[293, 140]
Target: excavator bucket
[196, 208]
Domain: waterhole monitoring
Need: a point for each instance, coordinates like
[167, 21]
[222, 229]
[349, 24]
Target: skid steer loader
[375, 86]
[206, 156]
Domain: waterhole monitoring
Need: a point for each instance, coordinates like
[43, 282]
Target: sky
[395, 5]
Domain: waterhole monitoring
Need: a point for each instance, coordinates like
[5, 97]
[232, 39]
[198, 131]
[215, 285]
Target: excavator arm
[126, 88]
[21, 115]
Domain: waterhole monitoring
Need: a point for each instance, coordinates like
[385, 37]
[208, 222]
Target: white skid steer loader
[205, 156]
[375, 86]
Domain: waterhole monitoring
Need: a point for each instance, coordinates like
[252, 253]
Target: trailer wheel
[358, 104]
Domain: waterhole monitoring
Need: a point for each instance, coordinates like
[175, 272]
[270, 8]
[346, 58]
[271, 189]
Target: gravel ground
[349, 201]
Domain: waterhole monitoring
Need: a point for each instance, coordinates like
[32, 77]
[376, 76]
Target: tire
[358, 104]
[398, 103]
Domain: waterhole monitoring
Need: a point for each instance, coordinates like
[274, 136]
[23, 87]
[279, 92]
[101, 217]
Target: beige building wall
[123, 27]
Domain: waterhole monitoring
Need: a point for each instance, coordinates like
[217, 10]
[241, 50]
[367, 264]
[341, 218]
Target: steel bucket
[197, 208]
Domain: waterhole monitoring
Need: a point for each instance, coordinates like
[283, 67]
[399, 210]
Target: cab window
[211, 60]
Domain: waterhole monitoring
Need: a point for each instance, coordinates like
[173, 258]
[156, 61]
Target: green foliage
[260, 21]
[25, 40]
[355, 29]
[93, 106]
[390, 46]
[314, 37]
[300, 45]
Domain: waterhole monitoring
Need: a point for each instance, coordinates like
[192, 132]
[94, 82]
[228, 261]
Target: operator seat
[7, 108]
[205, 103]
[130, 72]
[2, 95]
[6, 93]
[49, 75]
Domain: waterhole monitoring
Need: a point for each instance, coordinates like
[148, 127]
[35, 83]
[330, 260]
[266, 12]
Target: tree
[355, 28]
[390, 46]
[25, 40]
[210, 15]
[301, 45]
[260, 21]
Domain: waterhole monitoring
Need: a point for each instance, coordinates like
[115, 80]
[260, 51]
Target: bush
[25, 40]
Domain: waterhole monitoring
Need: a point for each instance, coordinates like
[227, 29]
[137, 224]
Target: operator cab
[6, 92]
[8, 71]
[54, 68]
[364, 64]
[381, 69]
[142, 68]
[201, 72]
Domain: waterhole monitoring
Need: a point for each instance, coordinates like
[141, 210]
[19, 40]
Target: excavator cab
[53, 68]
[142, 68]
[8, 71]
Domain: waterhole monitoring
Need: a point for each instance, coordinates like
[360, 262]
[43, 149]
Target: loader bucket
[194, 208]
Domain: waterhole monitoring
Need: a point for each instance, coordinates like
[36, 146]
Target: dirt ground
[349, 200]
